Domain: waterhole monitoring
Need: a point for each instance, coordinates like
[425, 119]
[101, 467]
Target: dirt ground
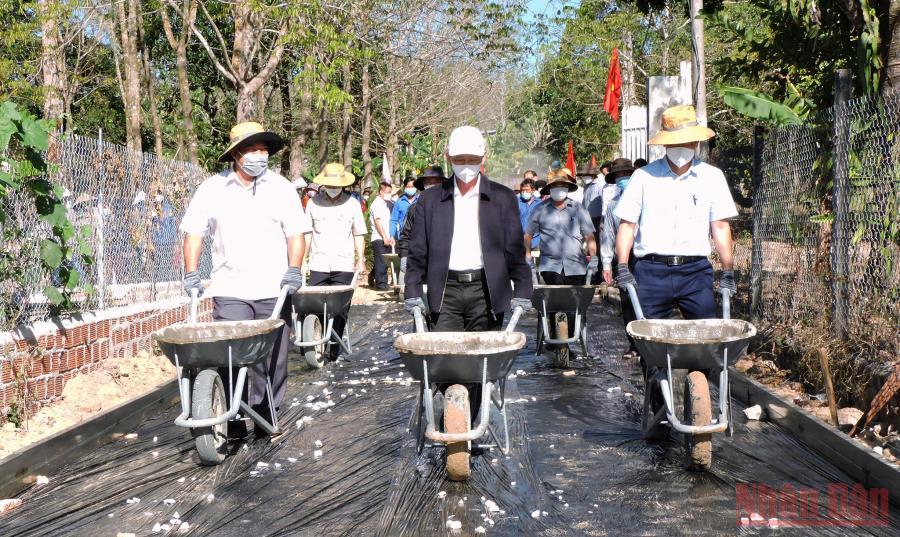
[115, 382]
[884, 442]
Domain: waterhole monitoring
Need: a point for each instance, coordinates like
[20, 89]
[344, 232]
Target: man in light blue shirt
[528, 202]
[398, 214]
[668, 212]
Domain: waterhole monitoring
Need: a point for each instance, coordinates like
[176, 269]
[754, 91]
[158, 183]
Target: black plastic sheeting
[577, 466]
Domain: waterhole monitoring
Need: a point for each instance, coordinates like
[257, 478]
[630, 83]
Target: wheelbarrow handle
[635, 303]
[588, 276]
[282, 295]
[517, 312]
[195, 302]
[355, 277]
[726, 303]
[419, 320]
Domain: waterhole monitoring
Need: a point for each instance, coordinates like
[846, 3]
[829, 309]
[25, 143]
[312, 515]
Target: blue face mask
[526, 196]
[410, 192]
[622, 182]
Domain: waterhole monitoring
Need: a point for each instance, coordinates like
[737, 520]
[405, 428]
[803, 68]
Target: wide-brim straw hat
[560, 177]
[679, 126]
[431, 172]
[334, 174]
[248, 133]
[620, 168]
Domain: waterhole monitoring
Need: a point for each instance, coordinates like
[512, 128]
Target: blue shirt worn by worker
[564, 230]
[526, 209]
[398, 214]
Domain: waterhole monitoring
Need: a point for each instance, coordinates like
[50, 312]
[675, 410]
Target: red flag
[593, 162]
[570, 159]
[613, 87]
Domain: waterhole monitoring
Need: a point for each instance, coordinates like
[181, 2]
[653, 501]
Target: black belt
[673, 260]
[465, 276]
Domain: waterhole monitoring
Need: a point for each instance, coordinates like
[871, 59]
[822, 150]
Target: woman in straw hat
[256, 223]
[337, 235]
[668, 212]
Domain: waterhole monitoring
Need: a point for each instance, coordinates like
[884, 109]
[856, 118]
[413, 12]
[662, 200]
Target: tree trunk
[391, 145]
[288, 122]
[150, 83]
[305, 127]
[891, 42]
[346, 133]
[179, 44]
[323, 137]
[53, 70]
[245, 47]
[127, 15]
[366, 137]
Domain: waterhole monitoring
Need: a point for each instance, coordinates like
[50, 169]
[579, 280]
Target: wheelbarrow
[198, 350]
[554, 304]
[315, 307]
[703, 347]
[457, 359]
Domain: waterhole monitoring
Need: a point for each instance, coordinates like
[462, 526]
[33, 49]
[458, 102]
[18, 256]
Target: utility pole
[698, 71]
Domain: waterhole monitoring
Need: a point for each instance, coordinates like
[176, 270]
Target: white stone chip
[133, 500]
[184, 527]
[131, 436]
[156, 528]
[42, 480]
[318, 443]
[480, 529]
[317, 453]
[262, 464]
[536, 514]
[441, 495]
[753, 413]
[454, 524]
[210, 498]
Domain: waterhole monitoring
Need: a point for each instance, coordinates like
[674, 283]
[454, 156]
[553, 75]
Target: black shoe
[383, 287]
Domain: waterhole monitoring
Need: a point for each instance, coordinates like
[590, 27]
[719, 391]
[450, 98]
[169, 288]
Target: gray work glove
[594, 264]
[624, 276]
[192, 281]
[726, 281]
[523, 303]
[402, 264]
[412, 303]
[293, 279]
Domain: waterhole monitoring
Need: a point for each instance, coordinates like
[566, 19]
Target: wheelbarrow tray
[457, 357]
[314, 298]
[566, 298]
[204, 345]
[699, 344]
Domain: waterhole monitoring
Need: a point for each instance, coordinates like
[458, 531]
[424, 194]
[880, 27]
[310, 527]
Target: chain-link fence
[826, 227]
[132, 203]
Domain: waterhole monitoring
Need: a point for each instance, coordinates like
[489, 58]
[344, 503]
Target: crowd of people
[471, 242]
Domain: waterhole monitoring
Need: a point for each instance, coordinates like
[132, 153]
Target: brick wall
[37, 361]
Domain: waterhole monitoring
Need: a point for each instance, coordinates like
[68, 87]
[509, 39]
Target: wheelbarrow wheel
[208, 401]
[457, 420]
[653, 402]
[312, 331]
[561, 354]
[697, 411]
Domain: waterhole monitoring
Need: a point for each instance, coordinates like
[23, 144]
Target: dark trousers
[597, 277]
[379, 267]
[466, 308]
[689, 287]
[556, 278]
[340, 318]
[276, 367]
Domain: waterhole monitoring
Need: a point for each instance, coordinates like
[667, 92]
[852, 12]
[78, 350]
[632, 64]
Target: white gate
[634, 132]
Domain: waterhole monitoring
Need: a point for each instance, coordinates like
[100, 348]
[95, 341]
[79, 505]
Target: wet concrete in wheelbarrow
[577, 464]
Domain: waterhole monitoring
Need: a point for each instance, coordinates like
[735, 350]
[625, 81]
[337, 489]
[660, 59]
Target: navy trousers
[689, 287]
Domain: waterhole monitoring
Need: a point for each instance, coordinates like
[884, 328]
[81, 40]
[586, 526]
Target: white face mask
[333, 191]
[679, 156]
[466, 172]
[255, 164]
[559, 194]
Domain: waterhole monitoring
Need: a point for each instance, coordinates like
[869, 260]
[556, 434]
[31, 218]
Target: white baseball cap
[466, 140]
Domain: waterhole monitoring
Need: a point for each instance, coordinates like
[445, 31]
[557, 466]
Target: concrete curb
[19, 470]
[862, 464]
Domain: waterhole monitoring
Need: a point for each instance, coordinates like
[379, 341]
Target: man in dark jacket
[466, 246]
